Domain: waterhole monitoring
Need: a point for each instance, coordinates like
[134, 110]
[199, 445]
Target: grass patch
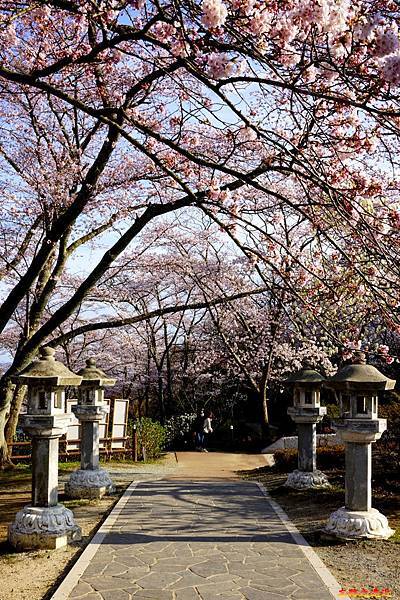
[67, 467]
[17, 471]
[396, 536]
[18, 475]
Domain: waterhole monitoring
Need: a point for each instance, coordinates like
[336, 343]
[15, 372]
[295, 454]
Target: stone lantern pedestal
[359, 428]
[306, 412]
[307, 476]
[90, 481]
[45, 523]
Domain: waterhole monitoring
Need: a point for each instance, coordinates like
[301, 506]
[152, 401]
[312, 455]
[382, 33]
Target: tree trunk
[15, 408]
[140, 405]
[6, 393]
[161, 403]
[266, 377]
[264, 394]
[170, 402]
[266, 431]
[265, 406]
[7, 390]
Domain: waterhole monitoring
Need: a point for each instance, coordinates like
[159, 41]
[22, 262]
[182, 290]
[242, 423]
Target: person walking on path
[198, 431]
[207, 429]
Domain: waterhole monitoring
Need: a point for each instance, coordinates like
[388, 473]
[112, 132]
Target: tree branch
[114, 324]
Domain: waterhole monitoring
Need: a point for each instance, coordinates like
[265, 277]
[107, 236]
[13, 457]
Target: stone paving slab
[180, 540]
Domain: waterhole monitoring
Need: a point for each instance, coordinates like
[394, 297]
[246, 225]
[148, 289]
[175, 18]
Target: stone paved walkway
[194, 540]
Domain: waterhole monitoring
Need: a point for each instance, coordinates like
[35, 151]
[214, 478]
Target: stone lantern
[358, 385]
[306, 412]
[45, 523]
[90, 481]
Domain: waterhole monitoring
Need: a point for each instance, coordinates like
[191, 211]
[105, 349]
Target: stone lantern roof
[46, 370]
[360, 376]
[306, 376]
[93, 376]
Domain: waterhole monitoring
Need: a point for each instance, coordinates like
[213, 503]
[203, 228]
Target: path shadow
[207, 512]
[116, 539]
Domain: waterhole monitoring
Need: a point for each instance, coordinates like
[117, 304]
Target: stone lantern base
[304, 480]
[89, 483]
[351, 524]
[37, 527]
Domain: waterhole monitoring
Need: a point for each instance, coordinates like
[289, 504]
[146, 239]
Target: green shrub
[150, 437]
[391, 412]
[328, 457]
[286, 460]
[387, 450]
[333, 411]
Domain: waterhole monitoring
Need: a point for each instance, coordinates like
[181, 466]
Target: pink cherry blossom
[260, 22]
[386, 41]
[391, 69]
[220, 65]
[214, 13]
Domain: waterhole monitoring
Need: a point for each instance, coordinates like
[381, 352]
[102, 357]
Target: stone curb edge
[329, 580]
[72, 578]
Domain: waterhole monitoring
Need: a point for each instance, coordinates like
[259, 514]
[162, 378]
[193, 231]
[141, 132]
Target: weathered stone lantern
[306, 412]
[45, 523]
[358, 386]
[90, 481]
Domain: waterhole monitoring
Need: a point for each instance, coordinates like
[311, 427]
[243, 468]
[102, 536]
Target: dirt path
[215, 465]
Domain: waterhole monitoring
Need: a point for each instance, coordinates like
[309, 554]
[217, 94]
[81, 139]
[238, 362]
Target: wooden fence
[108, 449]
[113, 435]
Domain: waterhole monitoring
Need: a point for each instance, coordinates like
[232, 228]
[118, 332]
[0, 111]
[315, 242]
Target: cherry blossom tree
[297, 101]
[118, 288]
[278, 121]
[252, 341]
